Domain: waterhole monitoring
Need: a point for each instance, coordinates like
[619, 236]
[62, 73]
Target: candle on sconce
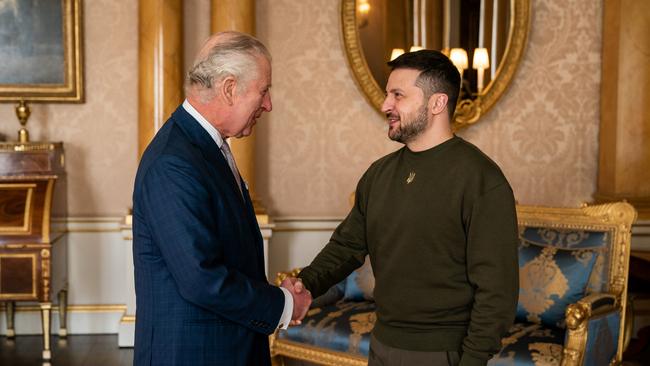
[458, 57]
[364, 7]
[480, 62]
[397, 52]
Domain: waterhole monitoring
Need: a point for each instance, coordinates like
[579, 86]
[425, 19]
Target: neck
[437, 133]
[214, 115]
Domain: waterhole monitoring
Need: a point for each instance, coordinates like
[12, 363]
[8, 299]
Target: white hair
[237, 56]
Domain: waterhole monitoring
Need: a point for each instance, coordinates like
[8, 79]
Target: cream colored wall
[322, 134]
[100, 135]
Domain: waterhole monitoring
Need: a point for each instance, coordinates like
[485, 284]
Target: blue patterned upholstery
[602, 339]
[530, 344]
[550, 280]
[344, 326]
[359, 285]
[572, 239]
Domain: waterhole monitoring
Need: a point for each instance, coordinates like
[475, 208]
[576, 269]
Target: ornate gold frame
[468, 112]
[72, 88]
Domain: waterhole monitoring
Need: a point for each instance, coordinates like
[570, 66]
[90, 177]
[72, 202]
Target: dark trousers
[383, 355]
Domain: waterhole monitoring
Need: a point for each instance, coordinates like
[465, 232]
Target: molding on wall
[98, 224]
[296, 223]
[94, 308]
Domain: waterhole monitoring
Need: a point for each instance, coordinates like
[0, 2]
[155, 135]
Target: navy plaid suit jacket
[201, 292]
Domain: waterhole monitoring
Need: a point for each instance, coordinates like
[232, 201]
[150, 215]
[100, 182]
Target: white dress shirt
[216, 136]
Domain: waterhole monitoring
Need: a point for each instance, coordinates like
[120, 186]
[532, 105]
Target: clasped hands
[301, 298]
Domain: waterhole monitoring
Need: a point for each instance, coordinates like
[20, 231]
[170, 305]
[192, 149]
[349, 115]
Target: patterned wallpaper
[322, 134]
[100, 136]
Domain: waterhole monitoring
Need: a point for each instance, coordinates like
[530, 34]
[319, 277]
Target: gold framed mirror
[374, 31]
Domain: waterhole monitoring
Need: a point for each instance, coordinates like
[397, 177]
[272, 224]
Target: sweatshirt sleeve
[492, 269]
[345, 252]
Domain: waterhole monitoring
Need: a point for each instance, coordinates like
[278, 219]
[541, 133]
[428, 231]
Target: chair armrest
[584, 320]
[282, 275]
[593, 304]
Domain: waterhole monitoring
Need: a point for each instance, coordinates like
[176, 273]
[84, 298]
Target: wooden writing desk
[33, 258]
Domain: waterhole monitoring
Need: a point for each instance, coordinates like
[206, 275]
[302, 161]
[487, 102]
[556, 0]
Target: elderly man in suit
[202, 295]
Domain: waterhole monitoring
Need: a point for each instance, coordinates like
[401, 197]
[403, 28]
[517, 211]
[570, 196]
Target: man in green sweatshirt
[438, 219]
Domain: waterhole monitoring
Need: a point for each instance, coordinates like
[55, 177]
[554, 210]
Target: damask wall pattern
[100, 136]
[322, 134]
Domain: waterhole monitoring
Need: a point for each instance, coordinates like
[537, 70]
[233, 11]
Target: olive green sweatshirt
[441, 230]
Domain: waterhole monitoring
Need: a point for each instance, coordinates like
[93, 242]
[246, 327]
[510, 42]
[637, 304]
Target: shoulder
[476, 165]
[170, 152]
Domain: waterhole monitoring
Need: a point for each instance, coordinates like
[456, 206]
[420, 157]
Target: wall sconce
[416, 48]
[480, 62]
[363, 8]
[458, 57]
[397, 52]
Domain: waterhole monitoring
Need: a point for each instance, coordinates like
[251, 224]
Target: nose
[387, 105]
[266, 103]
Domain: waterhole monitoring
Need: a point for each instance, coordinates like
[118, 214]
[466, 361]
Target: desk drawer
[19, 276]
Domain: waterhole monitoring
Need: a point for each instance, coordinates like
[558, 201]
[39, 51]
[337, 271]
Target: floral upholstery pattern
[556, 268]
[530, 344]
[571, 239]
[344, 326]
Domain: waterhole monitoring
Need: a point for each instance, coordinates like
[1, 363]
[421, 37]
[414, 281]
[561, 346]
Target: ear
[438, 103]
[228, 88]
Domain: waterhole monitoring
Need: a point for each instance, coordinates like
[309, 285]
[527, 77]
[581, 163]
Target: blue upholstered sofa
[573, 265]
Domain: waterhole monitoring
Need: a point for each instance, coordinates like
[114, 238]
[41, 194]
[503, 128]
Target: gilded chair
[571, 311]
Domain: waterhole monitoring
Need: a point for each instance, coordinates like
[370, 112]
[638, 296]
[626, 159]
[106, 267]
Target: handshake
[301, 298]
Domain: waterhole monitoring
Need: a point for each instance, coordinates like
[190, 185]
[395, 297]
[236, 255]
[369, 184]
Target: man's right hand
[301, 298]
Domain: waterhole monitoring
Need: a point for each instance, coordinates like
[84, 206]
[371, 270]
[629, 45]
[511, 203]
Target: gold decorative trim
[46, 210]
[28, 146]
[27, 222]
[469, 112]
[71, 90]
[98, 308]
[321, 356]
[127, 319]
[20, 296]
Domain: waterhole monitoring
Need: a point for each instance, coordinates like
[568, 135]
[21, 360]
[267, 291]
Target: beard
[410, 127]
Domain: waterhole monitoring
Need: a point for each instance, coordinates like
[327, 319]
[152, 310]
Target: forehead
[402, 78]
[264, 71]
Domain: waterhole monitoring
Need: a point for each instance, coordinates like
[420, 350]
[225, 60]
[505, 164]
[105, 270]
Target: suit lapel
[208, 148]
[213, 155]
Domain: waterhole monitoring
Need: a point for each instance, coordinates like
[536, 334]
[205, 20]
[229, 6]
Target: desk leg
[46, 308]
[10, 308]
[63, 313]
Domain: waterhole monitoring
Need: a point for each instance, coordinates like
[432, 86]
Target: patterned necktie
[231, 163]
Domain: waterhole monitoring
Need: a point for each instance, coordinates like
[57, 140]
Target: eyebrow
[394, 90]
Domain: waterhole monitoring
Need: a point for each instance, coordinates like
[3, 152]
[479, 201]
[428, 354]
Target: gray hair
[234, 54]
